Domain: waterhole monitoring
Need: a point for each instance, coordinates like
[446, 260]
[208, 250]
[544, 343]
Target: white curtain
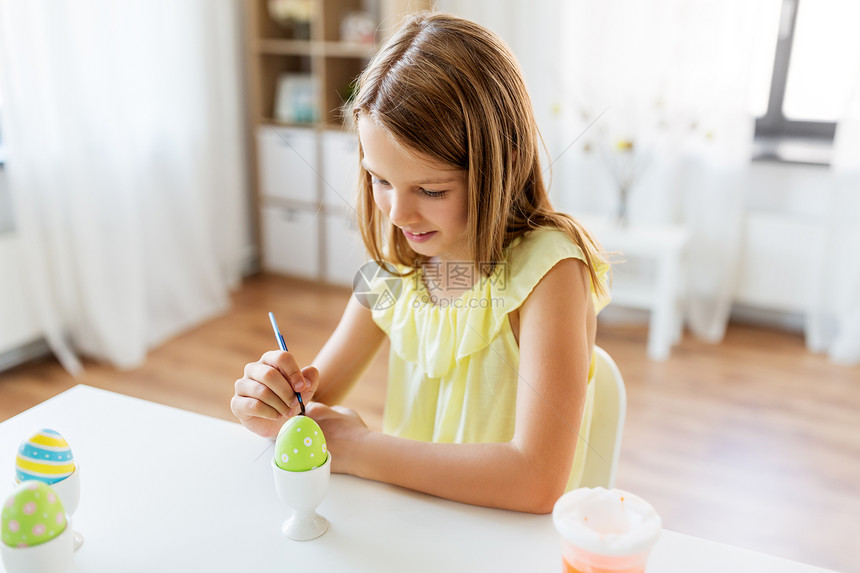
[672, 78]
[125, 161]
[659, 91]
[833, 324]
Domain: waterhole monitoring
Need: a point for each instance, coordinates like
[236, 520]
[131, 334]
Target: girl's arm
[556, 336]
[347, 353]
[265, 396]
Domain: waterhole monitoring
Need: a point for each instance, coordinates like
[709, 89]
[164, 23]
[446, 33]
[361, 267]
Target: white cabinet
[345, 251]
[302, 236]
[291, 241]
[291, 244]
[290, 225]
[340, 170]
[288, 163]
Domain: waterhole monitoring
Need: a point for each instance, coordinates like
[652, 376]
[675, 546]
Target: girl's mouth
[419, 237]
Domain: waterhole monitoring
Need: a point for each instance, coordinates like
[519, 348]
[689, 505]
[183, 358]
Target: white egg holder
[69, 491]
[303, 492]
[53, 556]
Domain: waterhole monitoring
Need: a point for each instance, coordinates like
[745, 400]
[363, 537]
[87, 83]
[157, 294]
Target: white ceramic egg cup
[54, 556]
[303, 492]
[69, 490]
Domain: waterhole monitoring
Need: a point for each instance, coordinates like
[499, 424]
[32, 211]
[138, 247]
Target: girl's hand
[343, 429]
[265, 397]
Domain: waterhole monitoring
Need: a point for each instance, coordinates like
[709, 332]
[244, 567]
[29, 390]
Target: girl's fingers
[287, 366]
[267, 388]
[312, 378]
[264, 383]
[246, 408]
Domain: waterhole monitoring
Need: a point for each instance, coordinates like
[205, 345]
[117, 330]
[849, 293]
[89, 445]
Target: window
[814, 61]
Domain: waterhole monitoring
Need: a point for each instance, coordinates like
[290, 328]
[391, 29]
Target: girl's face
[424, 199]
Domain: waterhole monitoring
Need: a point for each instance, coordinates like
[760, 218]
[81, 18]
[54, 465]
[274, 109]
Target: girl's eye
[377, 181]
[433, 194]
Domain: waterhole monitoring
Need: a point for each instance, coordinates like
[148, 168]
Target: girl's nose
[402, 211]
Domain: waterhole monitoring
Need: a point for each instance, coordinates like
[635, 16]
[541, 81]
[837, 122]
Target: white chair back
[607, 423]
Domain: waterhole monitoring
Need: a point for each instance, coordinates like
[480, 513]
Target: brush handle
[283, 346]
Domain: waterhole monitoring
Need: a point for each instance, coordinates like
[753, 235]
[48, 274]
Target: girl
[491, 316]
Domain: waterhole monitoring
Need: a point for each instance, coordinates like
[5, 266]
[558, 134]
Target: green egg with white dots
[33, 514]
[300, 445]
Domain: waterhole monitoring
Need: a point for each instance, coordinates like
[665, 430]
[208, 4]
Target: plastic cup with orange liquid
[605, 531]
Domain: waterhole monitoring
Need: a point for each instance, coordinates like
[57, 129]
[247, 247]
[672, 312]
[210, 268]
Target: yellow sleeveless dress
[453, 368]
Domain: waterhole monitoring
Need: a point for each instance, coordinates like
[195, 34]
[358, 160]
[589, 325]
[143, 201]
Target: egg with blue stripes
[46, 457]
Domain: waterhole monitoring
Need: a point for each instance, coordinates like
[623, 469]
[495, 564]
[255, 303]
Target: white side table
[665, 246]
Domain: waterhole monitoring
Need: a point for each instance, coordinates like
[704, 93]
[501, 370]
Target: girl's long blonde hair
[452, 90]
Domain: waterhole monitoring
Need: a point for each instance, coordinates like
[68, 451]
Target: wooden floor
[753, 442]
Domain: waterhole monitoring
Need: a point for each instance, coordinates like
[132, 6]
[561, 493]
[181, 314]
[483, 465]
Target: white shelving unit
[307, 172]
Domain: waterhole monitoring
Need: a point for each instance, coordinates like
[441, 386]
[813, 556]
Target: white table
[664, 246]
[167, 490]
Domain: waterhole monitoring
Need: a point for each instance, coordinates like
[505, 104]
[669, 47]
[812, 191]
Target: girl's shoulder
[545, 240]
[535, 253]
